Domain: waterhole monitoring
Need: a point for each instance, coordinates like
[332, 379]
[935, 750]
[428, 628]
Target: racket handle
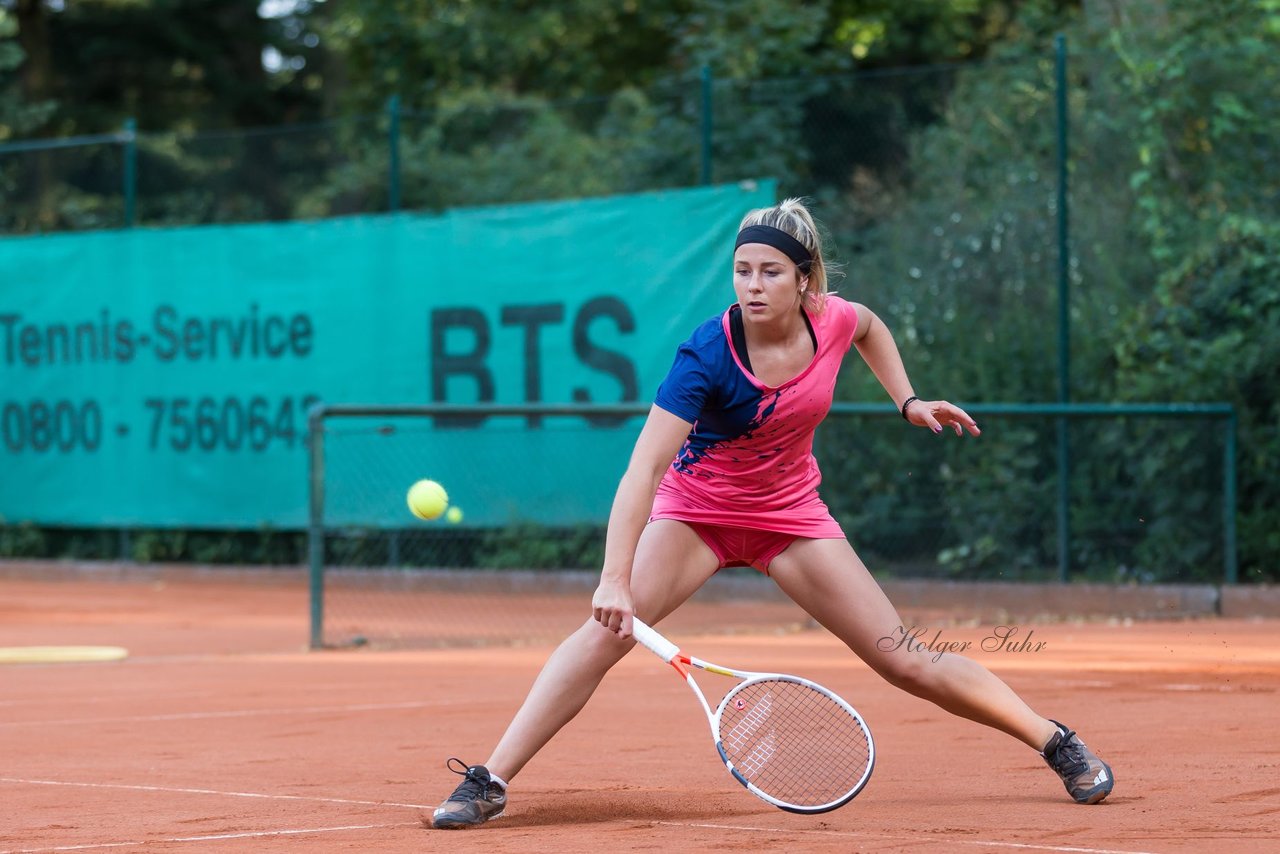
[655, 642]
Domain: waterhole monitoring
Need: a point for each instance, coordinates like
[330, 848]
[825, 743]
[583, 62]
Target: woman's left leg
[828, 580]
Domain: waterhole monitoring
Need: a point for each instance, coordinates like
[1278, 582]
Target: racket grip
[653, 641]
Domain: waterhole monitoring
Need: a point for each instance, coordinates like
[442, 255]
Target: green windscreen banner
[162, 378]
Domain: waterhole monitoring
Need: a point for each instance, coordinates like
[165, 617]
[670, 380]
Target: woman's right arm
[661, 438]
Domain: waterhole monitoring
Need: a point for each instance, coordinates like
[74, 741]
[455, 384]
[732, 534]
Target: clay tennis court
[220, 732]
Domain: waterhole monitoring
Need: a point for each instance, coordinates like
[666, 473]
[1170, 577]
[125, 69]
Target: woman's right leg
[671, 563]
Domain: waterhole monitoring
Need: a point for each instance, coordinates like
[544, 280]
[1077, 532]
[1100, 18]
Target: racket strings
[794, 742]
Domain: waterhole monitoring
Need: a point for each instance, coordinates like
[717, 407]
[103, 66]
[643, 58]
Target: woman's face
[766, 282]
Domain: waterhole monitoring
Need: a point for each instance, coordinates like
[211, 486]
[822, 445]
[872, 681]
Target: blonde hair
[791, 216]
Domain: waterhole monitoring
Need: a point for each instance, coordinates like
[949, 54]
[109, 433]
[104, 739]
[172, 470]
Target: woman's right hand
[612, 607]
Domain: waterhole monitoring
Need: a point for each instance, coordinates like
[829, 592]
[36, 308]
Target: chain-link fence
[942, 189]
[935, 182]
[857, 134]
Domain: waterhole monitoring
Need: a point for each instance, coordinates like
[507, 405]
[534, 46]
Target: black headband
[780, 240]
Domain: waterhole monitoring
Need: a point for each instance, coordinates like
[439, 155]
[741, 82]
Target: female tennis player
[723, 474]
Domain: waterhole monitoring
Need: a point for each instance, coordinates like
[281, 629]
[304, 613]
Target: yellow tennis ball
[453, 515]
[427, 499]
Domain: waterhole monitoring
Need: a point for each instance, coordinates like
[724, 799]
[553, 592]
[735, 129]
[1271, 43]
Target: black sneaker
[476, 800]
[1087, 778]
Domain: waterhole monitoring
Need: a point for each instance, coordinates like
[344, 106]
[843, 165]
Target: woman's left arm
[876, 345]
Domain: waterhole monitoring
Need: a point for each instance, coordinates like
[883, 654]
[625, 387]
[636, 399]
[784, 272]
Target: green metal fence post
[393, 148]
[1229, 500]
[315, 526]
[1064, 314]
[130, 170]
[706, 124]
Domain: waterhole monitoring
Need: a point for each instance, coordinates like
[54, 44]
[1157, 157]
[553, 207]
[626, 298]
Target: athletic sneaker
[1087, 778]
[477, 799]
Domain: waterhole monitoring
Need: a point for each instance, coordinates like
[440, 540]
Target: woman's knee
[601, 646]
[911, 672]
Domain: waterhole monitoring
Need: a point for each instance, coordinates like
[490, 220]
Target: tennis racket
[790, 741]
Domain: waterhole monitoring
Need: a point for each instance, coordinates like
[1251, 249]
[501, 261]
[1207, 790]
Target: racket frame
[669, 652]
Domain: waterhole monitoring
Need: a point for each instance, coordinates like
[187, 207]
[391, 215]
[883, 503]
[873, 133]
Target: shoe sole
[463, 825]
[1095, 798]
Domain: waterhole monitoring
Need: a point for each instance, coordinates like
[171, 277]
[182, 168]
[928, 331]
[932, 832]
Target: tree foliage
[614, 83]
[18, 114]
[1174, 210]
[1208, 333]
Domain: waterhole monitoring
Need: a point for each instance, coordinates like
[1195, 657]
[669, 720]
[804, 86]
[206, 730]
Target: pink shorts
[743, 546]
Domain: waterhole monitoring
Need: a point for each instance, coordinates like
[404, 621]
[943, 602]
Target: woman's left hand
[936, 414]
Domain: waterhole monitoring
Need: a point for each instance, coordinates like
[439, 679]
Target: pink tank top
[748, 461]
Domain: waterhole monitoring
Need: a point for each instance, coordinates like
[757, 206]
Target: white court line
[207, 792]
[241, 713]
[950, 840]
[212, 838]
